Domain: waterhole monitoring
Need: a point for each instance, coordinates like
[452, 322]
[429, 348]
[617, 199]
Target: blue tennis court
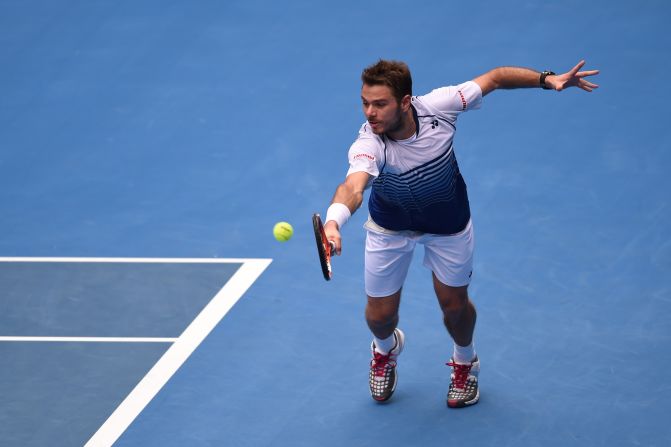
[147, 149]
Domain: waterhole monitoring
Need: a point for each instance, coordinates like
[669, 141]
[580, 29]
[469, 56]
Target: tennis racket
[324, 247]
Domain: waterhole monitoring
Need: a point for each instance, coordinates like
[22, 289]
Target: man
[404, 153]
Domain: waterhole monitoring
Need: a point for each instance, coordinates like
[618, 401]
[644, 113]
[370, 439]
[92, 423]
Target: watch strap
[544, 75]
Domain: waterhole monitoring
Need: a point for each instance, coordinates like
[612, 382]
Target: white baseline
[91, 339]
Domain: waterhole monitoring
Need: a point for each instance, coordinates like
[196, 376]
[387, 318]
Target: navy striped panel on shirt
[430, 198]
[429, 183]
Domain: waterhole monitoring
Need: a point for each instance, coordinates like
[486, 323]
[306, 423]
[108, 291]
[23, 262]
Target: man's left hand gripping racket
[324, 247]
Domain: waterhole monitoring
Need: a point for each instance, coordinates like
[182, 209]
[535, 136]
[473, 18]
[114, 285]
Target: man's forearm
[515, 77]
[346, 195]
[350, 192]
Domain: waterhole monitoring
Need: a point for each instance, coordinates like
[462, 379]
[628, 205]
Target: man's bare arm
[518, 77]
[350, 194]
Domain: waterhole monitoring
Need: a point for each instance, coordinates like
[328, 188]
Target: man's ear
[405, 103]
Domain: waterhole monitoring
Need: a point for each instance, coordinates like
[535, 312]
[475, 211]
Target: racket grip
[332, 246]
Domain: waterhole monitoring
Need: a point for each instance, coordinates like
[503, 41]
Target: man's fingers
[575, 78]
[582, 74]
[581, 83]
[575, 69]
[587, 86]
[336, 245]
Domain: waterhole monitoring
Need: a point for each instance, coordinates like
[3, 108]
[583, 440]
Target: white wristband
[339, 213]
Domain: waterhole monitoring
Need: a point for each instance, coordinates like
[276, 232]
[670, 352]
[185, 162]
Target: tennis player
[404, 153]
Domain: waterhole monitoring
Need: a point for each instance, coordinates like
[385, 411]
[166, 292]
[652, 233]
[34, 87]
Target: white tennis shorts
[389, 253]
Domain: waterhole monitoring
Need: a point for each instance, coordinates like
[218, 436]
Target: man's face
[382, 110]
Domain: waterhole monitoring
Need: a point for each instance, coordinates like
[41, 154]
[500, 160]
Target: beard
[395, 124]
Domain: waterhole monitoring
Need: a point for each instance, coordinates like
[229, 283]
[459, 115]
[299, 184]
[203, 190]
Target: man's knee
[380, 319]
[452, 303]
[382, 311]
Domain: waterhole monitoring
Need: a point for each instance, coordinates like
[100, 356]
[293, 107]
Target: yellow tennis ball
[283, 231]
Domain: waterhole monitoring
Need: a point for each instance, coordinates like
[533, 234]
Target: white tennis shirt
[417, 184]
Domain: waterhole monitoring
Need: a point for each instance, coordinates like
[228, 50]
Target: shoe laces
[381, 362]
[461, 373]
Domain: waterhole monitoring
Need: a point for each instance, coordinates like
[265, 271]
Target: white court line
[137, 260]
[91, 339]
[180, 351]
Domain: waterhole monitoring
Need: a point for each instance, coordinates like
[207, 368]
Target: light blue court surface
[93, 340]
[132, 132]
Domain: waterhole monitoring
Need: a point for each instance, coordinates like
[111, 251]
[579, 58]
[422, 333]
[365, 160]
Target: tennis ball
[283, 231]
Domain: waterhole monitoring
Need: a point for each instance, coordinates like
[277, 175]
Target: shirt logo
[370, 157]
[434, 124]
[464, 104]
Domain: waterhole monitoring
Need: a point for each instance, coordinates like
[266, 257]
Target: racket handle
[332, 245]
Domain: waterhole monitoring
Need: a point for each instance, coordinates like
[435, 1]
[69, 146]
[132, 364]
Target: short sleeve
[363, 154]
[455, 99]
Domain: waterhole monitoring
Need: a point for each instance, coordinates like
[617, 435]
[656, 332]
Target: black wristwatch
[544, 75]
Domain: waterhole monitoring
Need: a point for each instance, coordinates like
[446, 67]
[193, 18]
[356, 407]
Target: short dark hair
[393, 74]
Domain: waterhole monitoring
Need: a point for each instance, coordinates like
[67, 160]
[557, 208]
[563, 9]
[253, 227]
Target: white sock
[464, 354]
[386, 345]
